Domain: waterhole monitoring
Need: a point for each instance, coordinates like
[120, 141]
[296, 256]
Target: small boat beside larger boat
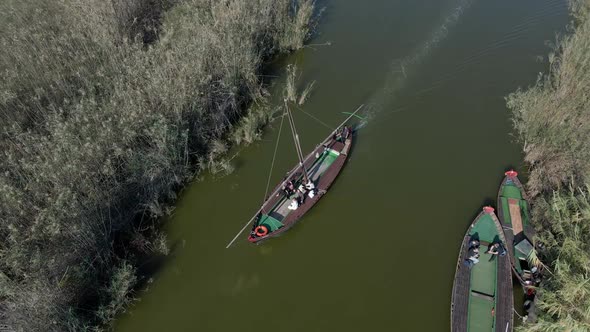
[513, 211]
[482, 297]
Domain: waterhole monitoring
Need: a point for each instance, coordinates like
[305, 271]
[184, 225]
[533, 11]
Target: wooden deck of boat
[505, 300]
[461, 288]
[316, 172]
[515, 215]
[325, 180]
[460, 293]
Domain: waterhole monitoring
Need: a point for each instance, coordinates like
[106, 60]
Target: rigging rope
[318, 120]
[272, 164]
[267, 183]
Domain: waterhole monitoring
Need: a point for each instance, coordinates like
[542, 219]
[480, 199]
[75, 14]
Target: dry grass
[563, 223]
[106, 109]
[552, 119]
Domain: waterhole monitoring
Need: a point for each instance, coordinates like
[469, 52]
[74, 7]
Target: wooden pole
[242, 230]
[296, 141]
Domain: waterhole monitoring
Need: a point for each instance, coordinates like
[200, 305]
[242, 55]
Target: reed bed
[106, 109]
[552, 120]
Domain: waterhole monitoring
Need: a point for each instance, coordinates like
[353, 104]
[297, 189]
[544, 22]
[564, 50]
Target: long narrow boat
[320, 167]
[482, 293]
[513, 211]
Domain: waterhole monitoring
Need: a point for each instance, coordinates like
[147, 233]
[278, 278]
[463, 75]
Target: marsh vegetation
[552, 119]
[106, 109]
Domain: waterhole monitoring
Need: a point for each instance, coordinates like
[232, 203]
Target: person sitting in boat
[346, 132]
[300, 194]
[473, 258]
[342, 133]
[472, 253]
[338, 135]
[300, 198]
[311, 188]
[496, 249]
[285, 191]
[288, 189]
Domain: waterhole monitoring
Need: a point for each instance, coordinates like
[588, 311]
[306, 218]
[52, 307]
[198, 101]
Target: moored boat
[482, 298]
[513, 212]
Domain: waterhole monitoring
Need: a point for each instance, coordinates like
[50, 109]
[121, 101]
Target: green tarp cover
[505, 210]
[271, 223]
[329, 158]
[483, 280]
[485, 228]
[483, 274]
[511, 191]
[480, 315]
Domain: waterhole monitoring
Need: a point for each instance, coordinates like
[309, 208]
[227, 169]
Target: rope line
[318, 120]
[272, 164]
[267, 183]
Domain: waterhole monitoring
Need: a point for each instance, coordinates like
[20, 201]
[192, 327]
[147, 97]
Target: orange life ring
[261, 230]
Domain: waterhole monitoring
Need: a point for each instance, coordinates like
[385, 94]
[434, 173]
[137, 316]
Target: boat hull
[482, 298]
[324, 182]
[514, 233]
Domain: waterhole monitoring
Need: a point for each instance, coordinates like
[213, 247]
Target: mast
[296, 141]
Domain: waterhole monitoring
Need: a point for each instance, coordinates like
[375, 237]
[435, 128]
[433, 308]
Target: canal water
[378, 253]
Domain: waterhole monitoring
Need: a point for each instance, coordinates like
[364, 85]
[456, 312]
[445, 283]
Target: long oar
[289, 175]
[242, 230]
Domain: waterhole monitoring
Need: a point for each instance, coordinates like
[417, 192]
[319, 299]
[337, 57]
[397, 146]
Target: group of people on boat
[495, 248]
[342, 133]
[298, 196]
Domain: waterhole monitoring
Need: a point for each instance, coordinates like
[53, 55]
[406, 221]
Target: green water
[378, 252]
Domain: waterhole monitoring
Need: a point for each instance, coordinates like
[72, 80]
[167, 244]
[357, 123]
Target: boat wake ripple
[401, 68]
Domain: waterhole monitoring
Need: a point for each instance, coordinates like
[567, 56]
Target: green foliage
[552, 118]
[106, 109]
[117, 293]
[564, 234]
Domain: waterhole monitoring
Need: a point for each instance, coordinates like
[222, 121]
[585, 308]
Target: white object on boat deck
[301, 188]
[294, 205]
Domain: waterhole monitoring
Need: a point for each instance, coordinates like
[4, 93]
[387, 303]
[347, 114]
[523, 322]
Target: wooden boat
[482, 294]
[513, 212]
[320, 167]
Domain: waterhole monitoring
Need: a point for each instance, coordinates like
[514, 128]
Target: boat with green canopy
[482, 297]
[513, 211]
